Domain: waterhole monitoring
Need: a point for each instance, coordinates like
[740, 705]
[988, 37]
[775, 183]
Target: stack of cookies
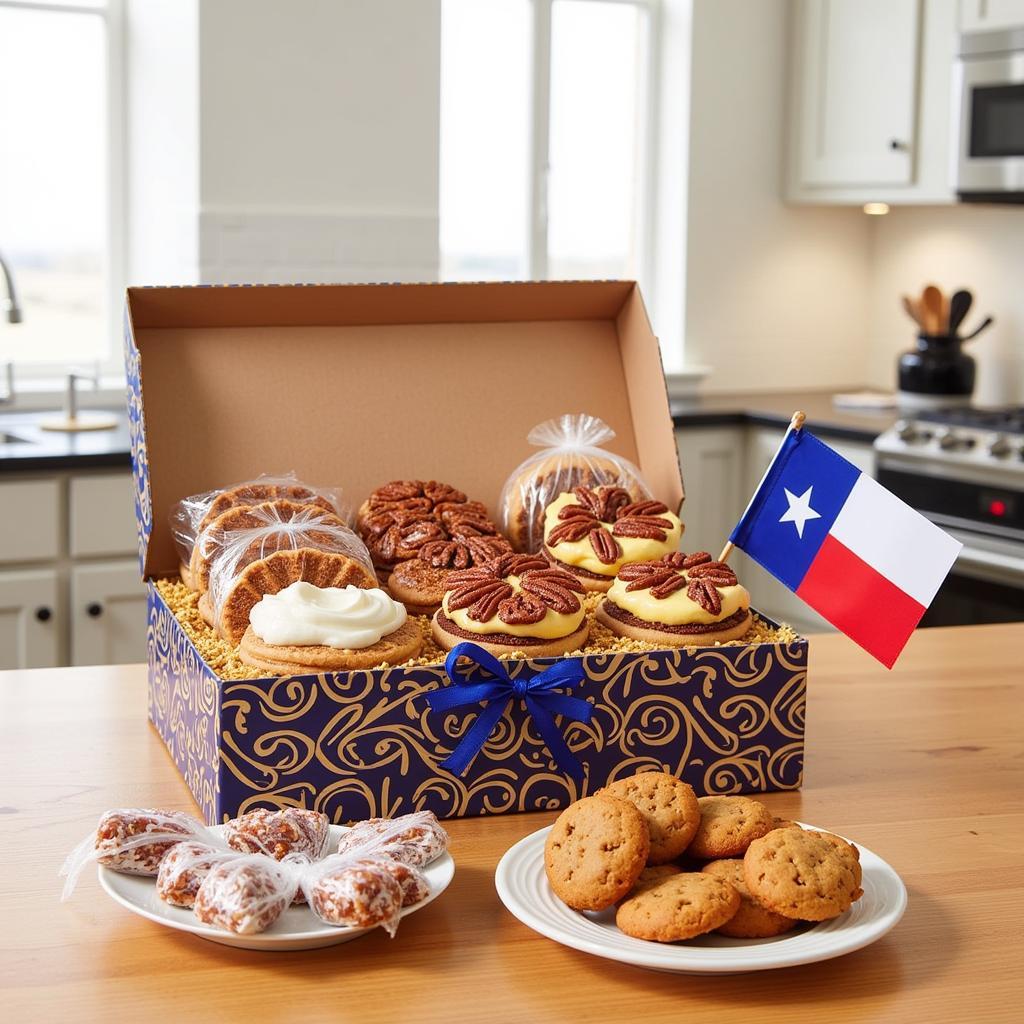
[676, 866]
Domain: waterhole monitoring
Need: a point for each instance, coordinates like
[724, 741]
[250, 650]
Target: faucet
[13, 317]
[11, 304]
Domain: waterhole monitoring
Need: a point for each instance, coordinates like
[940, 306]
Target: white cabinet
[870, 101]
[108, 614]
[712, 464]
[30, 618]
[988, 15]
[101, 517]
[60, 603]
[859, 64]
[30, 514]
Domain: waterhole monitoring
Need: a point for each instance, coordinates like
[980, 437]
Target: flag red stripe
[860, 601]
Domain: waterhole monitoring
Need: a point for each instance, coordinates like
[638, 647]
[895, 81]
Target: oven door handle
[987, 565]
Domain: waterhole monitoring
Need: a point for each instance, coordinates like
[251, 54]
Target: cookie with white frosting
[308, 629]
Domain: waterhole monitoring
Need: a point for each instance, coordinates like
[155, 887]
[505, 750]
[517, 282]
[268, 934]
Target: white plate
[523, 888]
[297, 928]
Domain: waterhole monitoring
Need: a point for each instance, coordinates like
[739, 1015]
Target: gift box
[360, 384]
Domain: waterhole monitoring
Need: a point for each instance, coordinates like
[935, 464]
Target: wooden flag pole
[796, 423]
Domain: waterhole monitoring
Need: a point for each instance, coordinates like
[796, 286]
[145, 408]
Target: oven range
[964, 469]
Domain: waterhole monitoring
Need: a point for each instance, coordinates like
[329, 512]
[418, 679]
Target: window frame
[112, 13]
[538, 254]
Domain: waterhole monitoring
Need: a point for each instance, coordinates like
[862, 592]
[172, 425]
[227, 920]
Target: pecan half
[397, 490]
[703, 592]
[438, 492]
[483, 549]
[654, 577]
[647, 527]
[480, 598]
[643, 508]
[717, 573]
[552, 588]
[571, 530]
[446, 554]
[522, 610]
[605, 546]
[663, 588]
[398, 542]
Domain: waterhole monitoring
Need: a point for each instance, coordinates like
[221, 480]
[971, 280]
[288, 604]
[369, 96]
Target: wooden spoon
[910, 307]
[931, 301]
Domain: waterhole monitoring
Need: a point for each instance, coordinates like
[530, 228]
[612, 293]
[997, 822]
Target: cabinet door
[101, 518]
[108, 614]
[858, 81]
[982, 15]
[29, 618]
[712, 464]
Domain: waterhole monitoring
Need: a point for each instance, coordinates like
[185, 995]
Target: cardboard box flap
[354, 385]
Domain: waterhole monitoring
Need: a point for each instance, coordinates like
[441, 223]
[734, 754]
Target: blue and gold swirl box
[353, 385]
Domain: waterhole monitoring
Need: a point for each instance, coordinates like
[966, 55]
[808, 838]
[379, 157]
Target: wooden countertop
[925, 765]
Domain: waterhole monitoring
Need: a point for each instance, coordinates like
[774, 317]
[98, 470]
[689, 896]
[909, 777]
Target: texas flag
[859, 556]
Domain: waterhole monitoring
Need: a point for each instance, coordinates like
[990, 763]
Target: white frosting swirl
[348, 618]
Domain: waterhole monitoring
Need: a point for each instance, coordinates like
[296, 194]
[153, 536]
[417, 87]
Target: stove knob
[1000, 448]
[950, 441]
[906, 430]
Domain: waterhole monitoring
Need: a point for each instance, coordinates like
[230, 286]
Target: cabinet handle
[94, 610]
[898, 145]
[44, 614]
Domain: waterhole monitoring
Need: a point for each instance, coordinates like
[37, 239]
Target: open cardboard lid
[355, 385]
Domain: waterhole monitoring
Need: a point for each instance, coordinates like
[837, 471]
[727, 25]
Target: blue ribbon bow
[543, 702]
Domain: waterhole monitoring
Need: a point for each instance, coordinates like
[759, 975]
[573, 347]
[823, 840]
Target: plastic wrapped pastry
[279, 833]
[183, 870]
[571, 456]
[356, 893]
[191, 515]
[415, 839]
[246, 894]
[134, 840]
[270, 552]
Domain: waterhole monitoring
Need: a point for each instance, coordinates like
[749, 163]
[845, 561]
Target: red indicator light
[997, 507]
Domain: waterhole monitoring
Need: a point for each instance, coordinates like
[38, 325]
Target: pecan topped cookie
[513, 602]
[403, 517]
[593, 532]
[678, 600]
[420, 532]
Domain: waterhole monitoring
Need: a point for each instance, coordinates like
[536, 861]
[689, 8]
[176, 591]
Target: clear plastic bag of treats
[134, 841]
[571, 455]
[184, 869]
[376, 873]
[416, 838]
[268, 549]
[190, 516]
[246, 894]
[279, 834]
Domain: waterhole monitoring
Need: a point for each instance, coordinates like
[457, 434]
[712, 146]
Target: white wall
[775, 295]
[275, 141]
[162, 134]
[980, 248]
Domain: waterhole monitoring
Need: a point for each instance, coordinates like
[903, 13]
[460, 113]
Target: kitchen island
[923, 765]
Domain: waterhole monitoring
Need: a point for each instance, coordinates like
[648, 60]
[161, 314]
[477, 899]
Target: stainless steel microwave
[989, 81]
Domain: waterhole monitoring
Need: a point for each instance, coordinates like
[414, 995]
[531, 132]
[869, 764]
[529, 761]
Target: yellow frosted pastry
[593, 532]
[678, 600]
[514, 602]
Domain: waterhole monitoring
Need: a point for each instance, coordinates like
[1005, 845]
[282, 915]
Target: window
[546, 147]
[58, 162]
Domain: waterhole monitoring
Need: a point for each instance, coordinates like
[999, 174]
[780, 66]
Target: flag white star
[799, 510]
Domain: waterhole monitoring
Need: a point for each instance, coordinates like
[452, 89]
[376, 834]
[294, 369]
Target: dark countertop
[51, 450]
[775, 409]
